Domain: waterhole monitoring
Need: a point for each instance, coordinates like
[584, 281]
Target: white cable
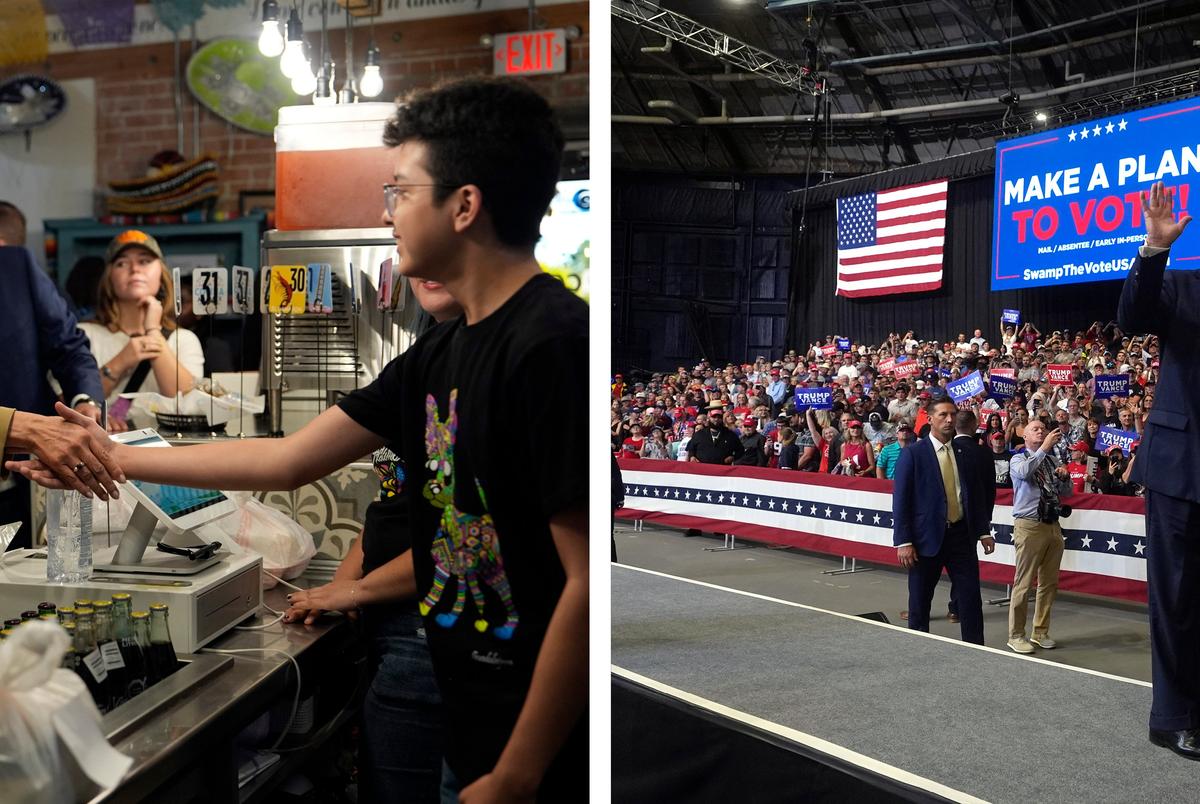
[264, 625]
[282, 581]
[295, 664]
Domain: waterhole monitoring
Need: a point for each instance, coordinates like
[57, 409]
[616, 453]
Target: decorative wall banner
[1066, 200]
[1105, 536]
[94, 22]
[24, 38]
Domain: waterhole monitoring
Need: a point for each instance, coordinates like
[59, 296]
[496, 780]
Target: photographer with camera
[1038, 483]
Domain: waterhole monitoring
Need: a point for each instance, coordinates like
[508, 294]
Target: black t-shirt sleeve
[374, 407]
[547, 399]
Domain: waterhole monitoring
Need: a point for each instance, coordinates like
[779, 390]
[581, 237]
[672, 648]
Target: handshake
[71, 452]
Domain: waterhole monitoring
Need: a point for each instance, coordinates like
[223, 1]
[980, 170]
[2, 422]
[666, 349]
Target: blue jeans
[402, 721]
[450, 786]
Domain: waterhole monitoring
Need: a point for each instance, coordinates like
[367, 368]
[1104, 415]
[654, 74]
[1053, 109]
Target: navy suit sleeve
[65, 350]
[904, 499]
[1148, 296]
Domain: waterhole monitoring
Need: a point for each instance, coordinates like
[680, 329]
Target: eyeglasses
[391, 192]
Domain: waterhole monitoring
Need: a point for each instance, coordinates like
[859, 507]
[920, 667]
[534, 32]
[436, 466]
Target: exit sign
[530, 52]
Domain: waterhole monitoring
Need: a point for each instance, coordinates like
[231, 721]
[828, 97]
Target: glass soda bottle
[47, 611]
[68, 537]
[91, 664]
[110, 651]
[162, 652]
[66, 614]
[141, 635]
[131, 652]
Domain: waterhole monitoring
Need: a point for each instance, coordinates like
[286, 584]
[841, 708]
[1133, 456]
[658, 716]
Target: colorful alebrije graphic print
[466, 549]
[390, 472]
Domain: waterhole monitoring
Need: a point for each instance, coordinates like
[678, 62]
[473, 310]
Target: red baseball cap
[748, 420]
[1082, 446]
[854, 423]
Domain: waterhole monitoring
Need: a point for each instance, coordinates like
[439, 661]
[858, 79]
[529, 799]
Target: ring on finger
[79, 467]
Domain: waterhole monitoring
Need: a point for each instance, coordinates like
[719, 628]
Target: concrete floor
[1098, 634]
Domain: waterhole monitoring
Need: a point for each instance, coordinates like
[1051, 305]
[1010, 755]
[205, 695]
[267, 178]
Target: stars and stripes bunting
[891, 241]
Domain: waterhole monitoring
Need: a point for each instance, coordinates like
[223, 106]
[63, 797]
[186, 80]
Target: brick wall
[135, 91]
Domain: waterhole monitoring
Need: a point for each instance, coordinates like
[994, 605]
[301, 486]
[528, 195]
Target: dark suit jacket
[919, 503]
[39, 334]
[978, 460]
[1168, 460]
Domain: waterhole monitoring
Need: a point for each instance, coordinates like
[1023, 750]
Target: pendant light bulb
[293, 53]
[372, 82]
[270, 41]
[304, 82]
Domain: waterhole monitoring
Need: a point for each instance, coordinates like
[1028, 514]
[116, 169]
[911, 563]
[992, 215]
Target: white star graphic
[708, 497]
[771, 504]
[828, 512]
[656, 492]
[627, 489]
[758, 502]
[993, 533]
[1122, 125]
[1083, 134]
[745, 500]
[785, 505]
[1109, 128]
[1112, 544]
[1139, 549]
[858, 516]
[876, 519]
[813, 510]
[677, 494]
[1096, 130]
[1087, 540]
[891, 521]
[687, 495]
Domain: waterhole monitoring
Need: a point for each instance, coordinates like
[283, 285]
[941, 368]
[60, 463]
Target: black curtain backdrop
[965, 300]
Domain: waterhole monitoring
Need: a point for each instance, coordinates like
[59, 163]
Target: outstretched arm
[1147, 302]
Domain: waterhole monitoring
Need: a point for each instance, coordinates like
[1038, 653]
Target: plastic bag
[51, 746]
[286, 548]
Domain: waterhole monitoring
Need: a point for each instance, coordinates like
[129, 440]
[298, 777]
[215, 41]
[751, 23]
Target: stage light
[270, 41]
[293, 52]
[1040, 117]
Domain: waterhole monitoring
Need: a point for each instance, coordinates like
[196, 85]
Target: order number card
[320, 287]
[243, 290]
[387, 279]
[289, 284]
[210, 291]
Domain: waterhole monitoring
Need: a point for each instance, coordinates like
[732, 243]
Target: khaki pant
[1039, 552]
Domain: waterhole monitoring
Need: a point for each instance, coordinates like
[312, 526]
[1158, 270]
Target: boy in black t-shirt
[499, 525]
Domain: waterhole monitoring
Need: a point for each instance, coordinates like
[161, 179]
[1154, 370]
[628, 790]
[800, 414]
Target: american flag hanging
[891, 242]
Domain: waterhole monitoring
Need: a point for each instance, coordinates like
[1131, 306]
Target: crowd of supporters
[746, 414]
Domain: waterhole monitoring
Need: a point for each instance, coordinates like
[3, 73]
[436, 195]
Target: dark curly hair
[498, 134]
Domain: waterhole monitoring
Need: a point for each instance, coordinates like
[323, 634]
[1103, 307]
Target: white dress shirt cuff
[1145, 251]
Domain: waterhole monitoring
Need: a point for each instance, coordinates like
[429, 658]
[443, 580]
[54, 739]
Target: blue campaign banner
[1112, 385]
[815, 398]
[1011, 316]
[1067, 205]
[1110, 437]
[1003, 387]
[945, 372]
[969, 386]
[843, 344]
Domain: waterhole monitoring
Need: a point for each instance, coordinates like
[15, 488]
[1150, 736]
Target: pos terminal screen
[175, 501]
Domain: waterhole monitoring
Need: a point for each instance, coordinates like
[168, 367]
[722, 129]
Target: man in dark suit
[941, 510]
[39, 335]
[1168, 466]
[968, 452]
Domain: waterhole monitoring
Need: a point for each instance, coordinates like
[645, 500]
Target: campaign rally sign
[945, 371]
[843, 344]
[829, 350]
[969, 386]
[1011, 316]
[1059, 374]
[815, 398]
[1112, 385]
[906, 368]
[1002, 371]
[1067, 205]
[1109, 437]
[1002, 387]
[886, 366]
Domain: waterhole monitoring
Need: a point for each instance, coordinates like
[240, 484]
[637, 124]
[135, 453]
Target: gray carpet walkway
[991, 724]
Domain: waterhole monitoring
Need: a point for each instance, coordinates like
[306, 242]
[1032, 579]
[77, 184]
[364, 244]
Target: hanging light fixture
[293, 61]
[270, 41]
[372, 82]
[325, 95]
[304, 82]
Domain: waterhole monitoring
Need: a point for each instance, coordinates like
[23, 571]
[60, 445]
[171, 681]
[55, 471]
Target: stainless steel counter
[183, 750]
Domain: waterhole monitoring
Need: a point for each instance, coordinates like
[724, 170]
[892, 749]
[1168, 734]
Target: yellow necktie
[953, 513]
